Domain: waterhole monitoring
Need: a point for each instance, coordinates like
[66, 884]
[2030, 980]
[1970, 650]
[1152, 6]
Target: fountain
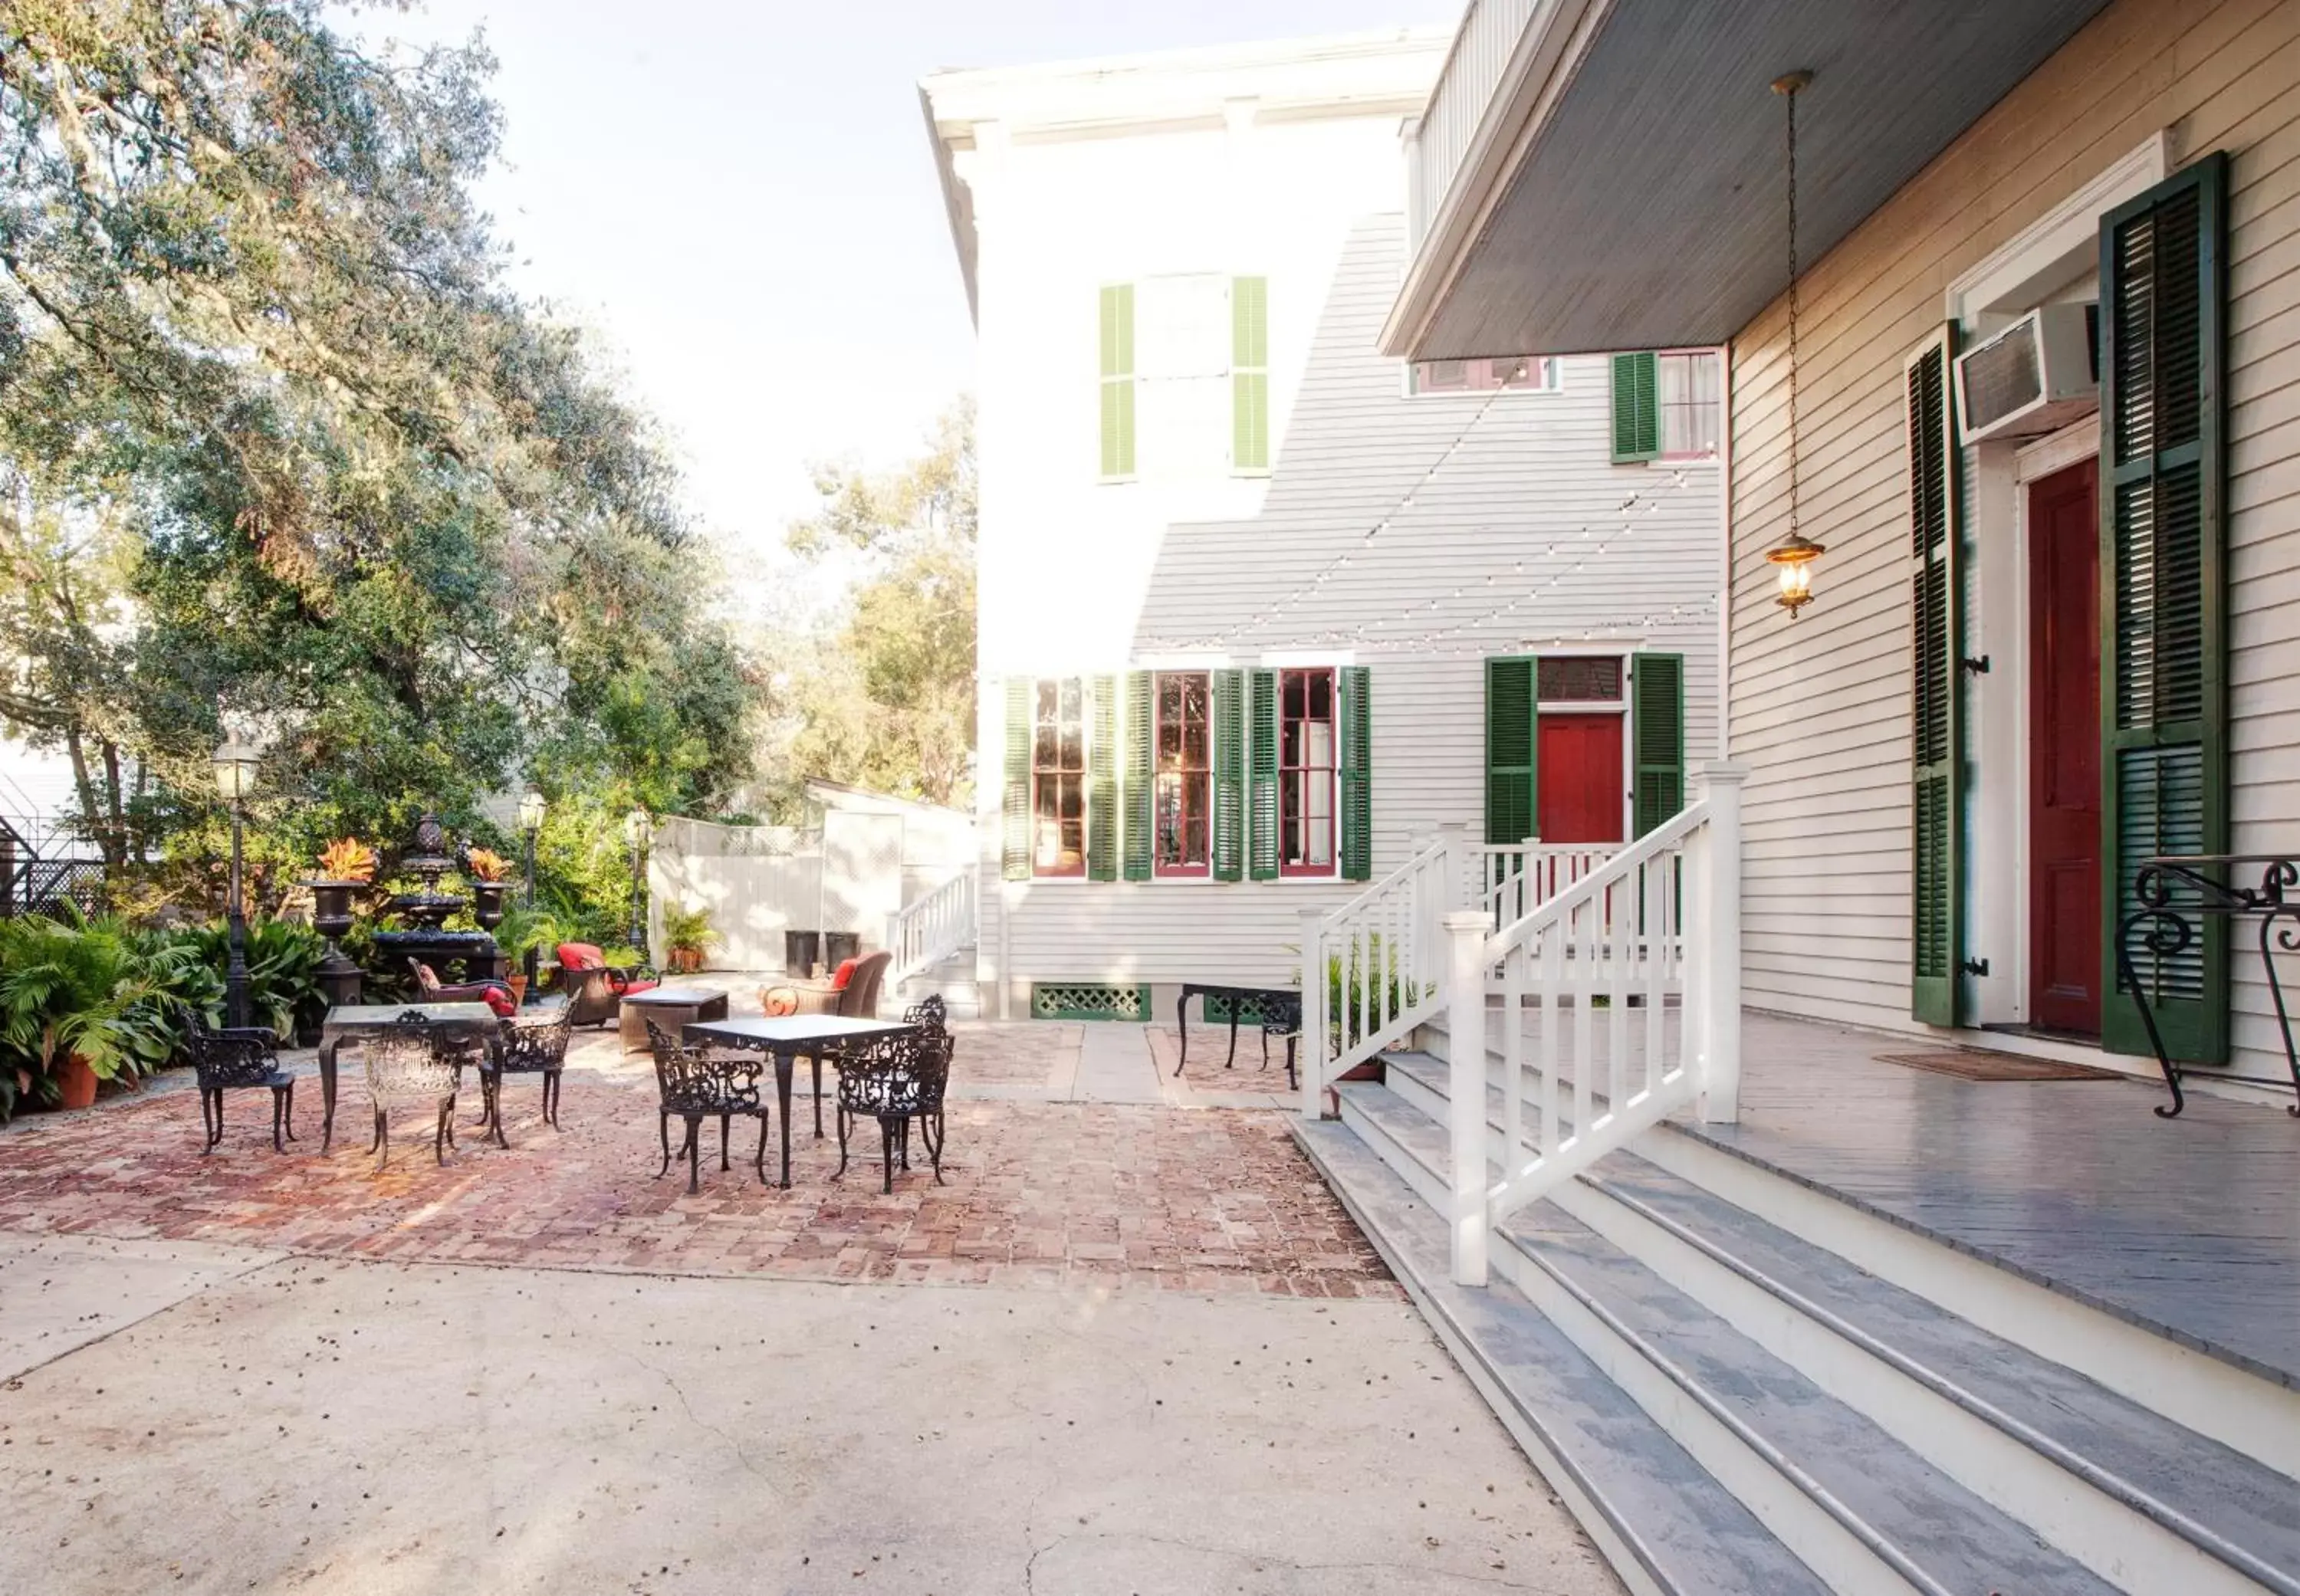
[454, 956]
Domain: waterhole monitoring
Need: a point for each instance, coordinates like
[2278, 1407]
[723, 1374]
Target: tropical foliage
[278, 449]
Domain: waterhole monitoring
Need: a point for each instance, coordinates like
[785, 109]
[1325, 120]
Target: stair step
[1856, 1502]
[1667, 1526]
[2229, 1507]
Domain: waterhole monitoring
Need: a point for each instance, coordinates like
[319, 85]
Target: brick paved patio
[1044, 1193]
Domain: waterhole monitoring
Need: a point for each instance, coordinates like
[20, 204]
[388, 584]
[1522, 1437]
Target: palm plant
[78, 991]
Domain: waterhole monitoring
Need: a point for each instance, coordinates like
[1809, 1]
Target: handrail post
[1719, 951]
[1460, 859]
[1465, 933]
[1315, 1029]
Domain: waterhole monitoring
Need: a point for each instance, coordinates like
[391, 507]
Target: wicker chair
[895, 1080]
[594, 991]
[406, 1063]
[537, 1047]
[240, 1056]
[858, 998]
[696, 1084]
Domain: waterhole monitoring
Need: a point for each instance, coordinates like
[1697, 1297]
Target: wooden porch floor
[2189, 1228]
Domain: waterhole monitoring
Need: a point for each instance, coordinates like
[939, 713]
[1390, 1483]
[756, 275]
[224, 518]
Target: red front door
[1579, 779]
[2065, 751]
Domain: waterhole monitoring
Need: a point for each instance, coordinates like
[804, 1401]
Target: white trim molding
[2057, 246]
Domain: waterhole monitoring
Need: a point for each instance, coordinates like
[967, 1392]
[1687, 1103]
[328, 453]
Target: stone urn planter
[75, 1084]
[331, 918]
[488, 903]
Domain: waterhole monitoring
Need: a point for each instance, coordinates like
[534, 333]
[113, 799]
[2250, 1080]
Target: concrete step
[1667, 1527]
[2145, 1502]
[1862, 1511]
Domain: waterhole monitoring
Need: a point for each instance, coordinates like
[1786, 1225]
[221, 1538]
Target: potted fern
[688, 934]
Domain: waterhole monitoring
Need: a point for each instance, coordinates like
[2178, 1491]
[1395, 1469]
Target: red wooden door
[2064, 931]
[1579, 780]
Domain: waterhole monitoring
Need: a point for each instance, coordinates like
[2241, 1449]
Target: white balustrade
[921, 935]
[1620, 999]
[1373, 970]
[1515, 878]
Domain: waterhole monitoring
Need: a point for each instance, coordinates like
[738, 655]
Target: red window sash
[1196, 784]
[1306, 780]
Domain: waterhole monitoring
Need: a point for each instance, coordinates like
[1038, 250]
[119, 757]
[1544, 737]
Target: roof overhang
[1632, 191]
[1385, 73]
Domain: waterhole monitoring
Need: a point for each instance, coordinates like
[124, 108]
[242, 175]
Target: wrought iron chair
[537, 1047]
[240, 1056]
[894, 1080]
[408, 1061]
[698, 1083]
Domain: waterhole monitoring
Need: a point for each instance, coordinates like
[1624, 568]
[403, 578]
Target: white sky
[741, 198]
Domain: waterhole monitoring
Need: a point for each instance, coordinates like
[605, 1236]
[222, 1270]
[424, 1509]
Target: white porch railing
[1371, 969]
[922, 934]
[1620, 999]
[1515, 878]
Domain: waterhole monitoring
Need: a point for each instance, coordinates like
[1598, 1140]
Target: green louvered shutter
[1015, 820]
[1229, 775]
[1657, 715]
[1262, 785]
[1118, 380]
[2163, 554]
[1937, 616]
[1637, 408]
[1357, 772]
[1136, 771]
[1249, 380]
[1102, 780]
[1511, 750]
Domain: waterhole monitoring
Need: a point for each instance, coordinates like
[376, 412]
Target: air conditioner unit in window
[2037, 376]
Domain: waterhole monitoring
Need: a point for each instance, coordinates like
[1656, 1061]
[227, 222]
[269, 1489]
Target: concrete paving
[228, 1421]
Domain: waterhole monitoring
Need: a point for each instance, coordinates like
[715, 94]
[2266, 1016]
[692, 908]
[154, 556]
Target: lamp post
[234, 774]
[636, 831]
[530, 821]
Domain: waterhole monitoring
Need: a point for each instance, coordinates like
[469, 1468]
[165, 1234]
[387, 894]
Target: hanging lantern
[1794, 560]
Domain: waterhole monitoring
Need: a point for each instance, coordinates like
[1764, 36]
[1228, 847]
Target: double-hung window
[1058, 779]
[1668, 405]
[1305, 772]
[1182, 784]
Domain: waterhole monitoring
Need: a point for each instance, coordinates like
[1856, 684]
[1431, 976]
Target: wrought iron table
[786, 1038]
[366, 1019]
[2215, 882]
[1280, 1007]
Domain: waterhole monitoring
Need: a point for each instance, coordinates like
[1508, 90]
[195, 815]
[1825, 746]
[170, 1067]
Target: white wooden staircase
[1738, 1383]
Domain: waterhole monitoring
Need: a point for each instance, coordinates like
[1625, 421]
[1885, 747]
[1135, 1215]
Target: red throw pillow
[843, 974]
[501, 1002]
[581, 955]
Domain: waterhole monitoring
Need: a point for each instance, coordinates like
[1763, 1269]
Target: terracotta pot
[76, 1081]
[686, 961]
[517, 985]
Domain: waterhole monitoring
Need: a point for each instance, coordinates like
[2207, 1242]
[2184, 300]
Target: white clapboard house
[1802, 1181]
[1263, 608]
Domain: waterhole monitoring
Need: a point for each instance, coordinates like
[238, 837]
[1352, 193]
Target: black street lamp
[530, 821]
[637, 829]
[234, 774]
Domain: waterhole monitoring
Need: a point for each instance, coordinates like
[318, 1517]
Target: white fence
[857, 872]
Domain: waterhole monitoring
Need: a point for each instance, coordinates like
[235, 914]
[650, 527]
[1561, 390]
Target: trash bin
[801, 949]
[839, 946]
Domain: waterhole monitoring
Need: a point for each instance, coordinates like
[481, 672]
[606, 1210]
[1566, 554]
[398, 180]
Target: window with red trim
[1305, 772]
[1058, 779]
[1181, 795]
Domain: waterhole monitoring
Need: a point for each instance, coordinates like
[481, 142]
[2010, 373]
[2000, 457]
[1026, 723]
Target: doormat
[1975, 1064]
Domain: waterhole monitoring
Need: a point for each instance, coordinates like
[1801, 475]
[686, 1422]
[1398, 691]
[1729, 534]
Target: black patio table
[2218, 886]
[365, 1019]
[1280, 1007]
[786, 1038]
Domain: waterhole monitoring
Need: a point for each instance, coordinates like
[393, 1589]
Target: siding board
[1821, 710]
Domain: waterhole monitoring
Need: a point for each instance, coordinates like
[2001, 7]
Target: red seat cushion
[631, 987]
[844, 973]
[500, 1001]
[581, 955]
